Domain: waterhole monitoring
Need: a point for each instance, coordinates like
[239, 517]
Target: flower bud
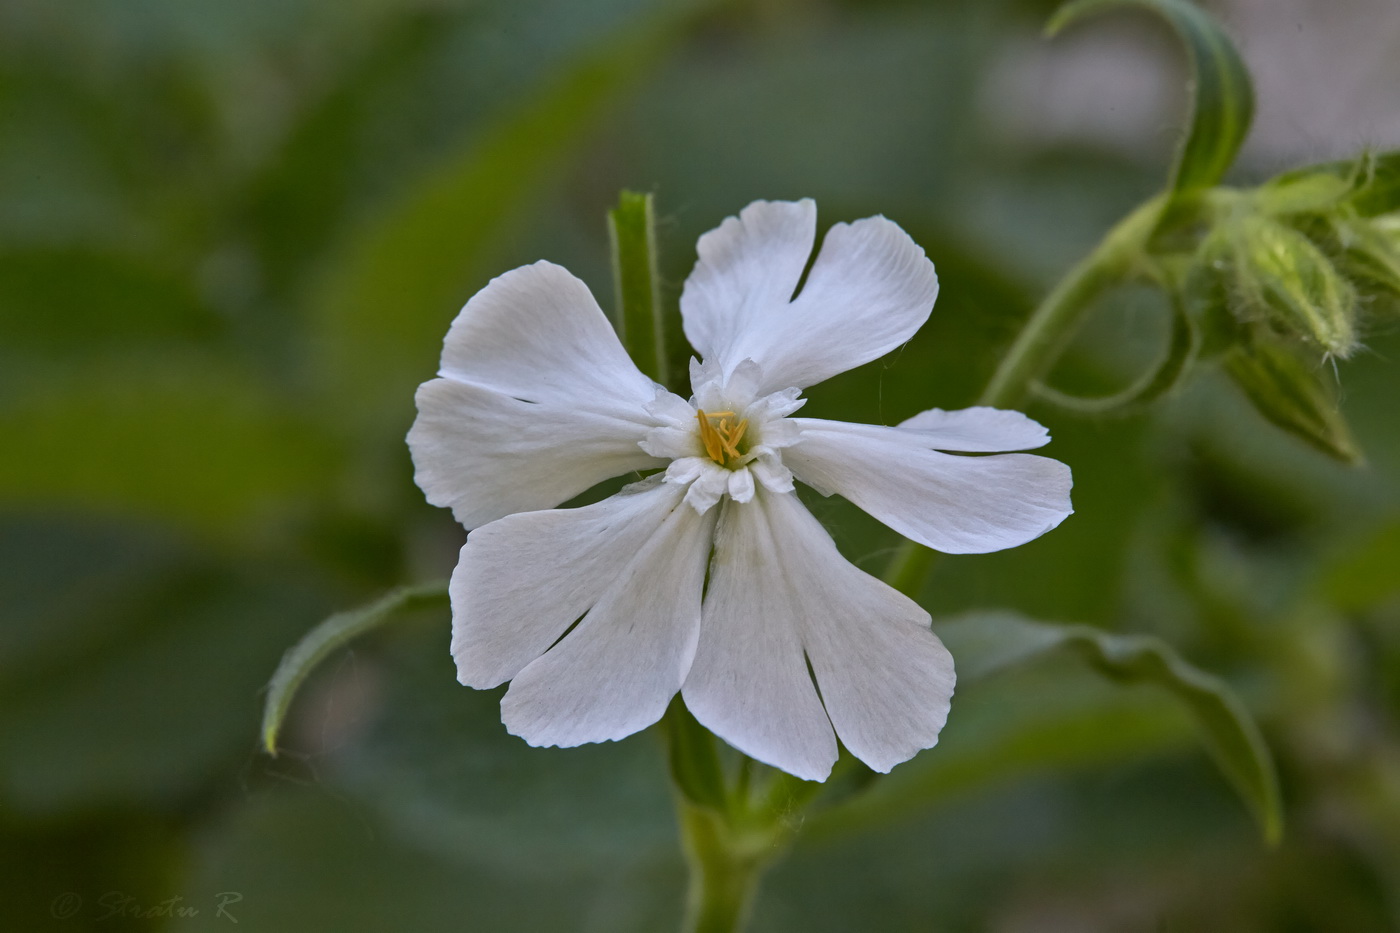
[1279, 277]
[1371, 255]
[1291, 395]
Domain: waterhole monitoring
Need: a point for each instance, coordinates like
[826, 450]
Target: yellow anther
[732, 436]
[720, 440]
[709, 437]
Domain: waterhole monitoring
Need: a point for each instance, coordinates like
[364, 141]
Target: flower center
[721, 435]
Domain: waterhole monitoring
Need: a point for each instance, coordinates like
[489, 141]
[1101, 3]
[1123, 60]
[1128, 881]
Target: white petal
[536, 333]
[749, 683]
[523, 580]
[870, 288]
[957, 504]
[978, 429]
[780, 594]
[686, 470]
[671, 409]
[615, 673]
[885, 679]
[710, 483]
[486, 454]
[747, 271]
[775, 405]
[772, 474]
[741, 485]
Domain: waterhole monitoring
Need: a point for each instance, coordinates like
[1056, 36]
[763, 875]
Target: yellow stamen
[721, 440]
[709, 437]
[731, 437]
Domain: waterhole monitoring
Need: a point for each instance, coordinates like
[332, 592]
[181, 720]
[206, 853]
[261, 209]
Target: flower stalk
[726, 860]
[731, 829]
[632, 230]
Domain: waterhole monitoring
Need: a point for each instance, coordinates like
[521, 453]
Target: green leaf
[1369, 184]
[382, 310]
[325, 639]
[1292, 396]
[1302, 192]
[632, 229]
[984, 643]
[1077, 724]
[1377, 186]
[190, 441]
[1222, 101]
[1370, 252]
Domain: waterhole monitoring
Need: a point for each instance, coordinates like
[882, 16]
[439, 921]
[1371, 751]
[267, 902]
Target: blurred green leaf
[1378, 184]
[131, 850]
[67, 584]
[1370, 253]
[1301, 192]
[193, 442]
[1292, 396]
[984, 643]
[80, 300]
[438, 761]
[322, 641]
[311, 859]
[1222, 98]
[1367, 574]
[298, 202]
[1369, 184]
[155, 705]
[383, 307]
[996, 738]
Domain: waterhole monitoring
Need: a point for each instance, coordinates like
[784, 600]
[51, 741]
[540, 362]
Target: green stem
[1039, 344]
[725, 862]
[632, 227]
[1054, 322]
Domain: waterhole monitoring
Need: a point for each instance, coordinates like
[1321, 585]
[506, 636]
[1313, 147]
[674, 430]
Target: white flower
[712, 578]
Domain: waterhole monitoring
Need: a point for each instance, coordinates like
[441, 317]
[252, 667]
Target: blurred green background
[232, 236]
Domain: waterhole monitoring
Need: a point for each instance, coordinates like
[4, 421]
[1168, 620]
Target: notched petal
[949, 502]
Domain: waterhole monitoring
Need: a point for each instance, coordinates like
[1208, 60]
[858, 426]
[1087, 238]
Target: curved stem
[1054, 322]
[1039, 344]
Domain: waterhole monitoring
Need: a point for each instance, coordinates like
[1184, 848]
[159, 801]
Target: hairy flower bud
[1280, 278]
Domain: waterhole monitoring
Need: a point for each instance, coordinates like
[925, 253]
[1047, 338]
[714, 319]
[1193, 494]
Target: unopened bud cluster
[1305, 255]
[1283, 278]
